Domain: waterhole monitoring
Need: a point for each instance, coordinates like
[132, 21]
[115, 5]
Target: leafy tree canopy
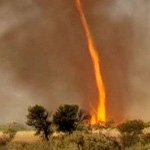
[68, 117]
[131, 127]
[39, 118]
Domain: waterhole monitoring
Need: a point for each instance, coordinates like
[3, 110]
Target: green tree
[132, 127]
[39, 118]
[68, 117]
[131, 131]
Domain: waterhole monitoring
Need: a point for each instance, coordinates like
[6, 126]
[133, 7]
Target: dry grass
[1, 134]
[23, 137]
[146, 130]
[29, 137]
[26, 137]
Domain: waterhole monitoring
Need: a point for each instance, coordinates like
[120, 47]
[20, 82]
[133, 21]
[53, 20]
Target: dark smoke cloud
[45, 60]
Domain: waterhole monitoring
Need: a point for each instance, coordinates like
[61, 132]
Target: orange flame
[100, 114]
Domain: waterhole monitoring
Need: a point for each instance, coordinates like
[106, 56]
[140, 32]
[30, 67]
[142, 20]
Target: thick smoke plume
[44, 57]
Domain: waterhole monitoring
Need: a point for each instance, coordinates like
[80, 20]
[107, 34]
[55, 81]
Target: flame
[100, 115]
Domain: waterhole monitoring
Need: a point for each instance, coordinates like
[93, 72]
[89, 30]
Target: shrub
[109, 124]
[101, 142]
[131, 127]
[145, 138]
[127, 140]
[3, 140]
[138, 146]
[9, 133]
[131, 132]
[78, 138]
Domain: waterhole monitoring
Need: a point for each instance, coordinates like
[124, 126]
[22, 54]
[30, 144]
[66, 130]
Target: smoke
[45, 59]
[121, 30]
[44, 56]
[138, 13]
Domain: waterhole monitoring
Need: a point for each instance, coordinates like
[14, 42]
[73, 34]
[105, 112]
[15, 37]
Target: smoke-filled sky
[45, 60]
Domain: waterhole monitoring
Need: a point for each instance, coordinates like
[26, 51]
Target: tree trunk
[46, 135]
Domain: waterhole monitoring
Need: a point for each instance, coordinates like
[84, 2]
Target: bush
[9, 133]
[77, 138]
[109, 124]
[131, 132]
[128, 140]
[100, 142]
[138, 146]
[3, 140]
[132, 127]
[145, 138]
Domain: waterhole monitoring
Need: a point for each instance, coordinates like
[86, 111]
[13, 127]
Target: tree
[83, 115]
[39, 118]
[83, 122]
[131, 131]
[67, 118]
[132, 127]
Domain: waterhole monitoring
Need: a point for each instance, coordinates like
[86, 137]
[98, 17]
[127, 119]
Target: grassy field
[96, 140]
[29, 137]
[17, 143]
[26, 137]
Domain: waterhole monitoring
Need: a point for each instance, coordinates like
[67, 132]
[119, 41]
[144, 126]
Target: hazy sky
[44, 56]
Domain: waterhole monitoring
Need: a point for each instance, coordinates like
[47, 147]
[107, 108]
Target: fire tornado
[98, 115]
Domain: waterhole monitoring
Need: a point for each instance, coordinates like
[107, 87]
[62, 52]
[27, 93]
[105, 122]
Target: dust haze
[45, 60]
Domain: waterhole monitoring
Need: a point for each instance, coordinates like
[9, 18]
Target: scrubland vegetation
[129, 135]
